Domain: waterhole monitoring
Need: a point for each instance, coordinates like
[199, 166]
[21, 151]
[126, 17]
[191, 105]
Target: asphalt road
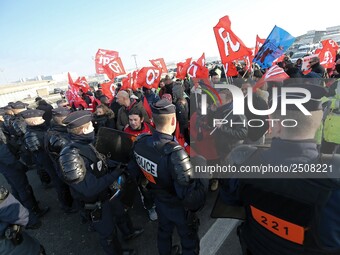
[63, 234]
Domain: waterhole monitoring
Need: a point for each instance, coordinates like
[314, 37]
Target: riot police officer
[18, 130]
[34, 140]
[13, 217]
[56, 139]
[167, 167]
[290, 212]
[14, 172]
[89, 177]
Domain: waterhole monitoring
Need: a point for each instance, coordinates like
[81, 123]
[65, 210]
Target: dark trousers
[170, 217]
[123, 219]
[43, 161]
[106, 229]
[21, 189]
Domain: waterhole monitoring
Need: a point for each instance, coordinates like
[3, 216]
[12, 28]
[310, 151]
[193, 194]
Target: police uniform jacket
[156, 166]
[312, 205]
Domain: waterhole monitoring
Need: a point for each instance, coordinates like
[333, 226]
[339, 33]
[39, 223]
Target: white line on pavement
[216, 235]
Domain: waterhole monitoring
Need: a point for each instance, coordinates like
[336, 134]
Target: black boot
[136, 232]
[176, 250]
[40, 211]
[36, 225]
[129, 252]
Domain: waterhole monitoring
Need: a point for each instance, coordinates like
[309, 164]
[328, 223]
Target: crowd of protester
[126, 112]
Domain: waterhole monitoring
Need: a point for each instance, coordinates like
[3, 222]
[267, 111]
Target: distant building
[332, 33]
[314, 37]
[63, 76]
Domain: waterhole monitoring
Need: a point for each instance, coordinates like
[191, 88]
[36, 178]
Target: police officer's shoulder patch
[241, 154]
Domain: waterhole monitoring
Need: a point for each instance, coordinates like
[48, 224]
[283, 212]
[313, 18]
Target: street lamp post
[135, 58]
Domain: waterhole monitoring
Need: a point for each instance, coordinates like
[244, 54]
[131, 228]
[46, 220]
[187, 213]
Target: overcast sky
[48, 37]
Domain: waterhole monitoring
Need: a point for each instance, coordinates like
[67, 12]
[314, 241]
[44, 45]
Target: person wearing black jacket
[103, 117]
[47, 108]
[316, 67]
[230, 134]
[182, 110]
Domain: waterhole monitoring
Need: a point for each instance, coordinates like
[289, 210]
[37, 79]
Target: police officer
[15, 173]
[19, 129]
[13, 216]
[89, 177]
[289, 216]
[34, 140]
[167, 167]
[56, 139]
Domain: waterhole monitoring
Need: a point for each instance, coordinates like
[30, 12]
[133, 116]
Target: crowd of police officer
[88, 182]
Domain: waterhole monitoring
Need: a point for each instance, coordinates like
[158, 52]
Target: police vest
[97, 160]
[153, 163]
[283, 215]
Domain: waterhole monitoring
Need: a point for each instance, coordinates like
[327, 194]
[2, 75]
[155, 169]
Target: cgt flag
[114, 68]
[130, 82]
[160, 64]
[103, 57]
[81, 83]
[149, 77]
[109, 89]
[275, 45]
[197, 69]
[182, 68]
[328, 52]
[229, 45]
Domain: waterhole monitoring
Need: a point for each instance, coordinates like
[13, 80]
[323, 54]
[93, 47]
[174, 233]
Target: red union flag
[198, 71]
[201, 60]
[274, 73]
[258, 44]
[114, 68]
[130, 82]
[103, 57]
[327, 53]
[182, 68]
[108, 89]
[81, 83]
[73, 98]
[149, 77]
[230, 69]
[160, 64]
[229, 45]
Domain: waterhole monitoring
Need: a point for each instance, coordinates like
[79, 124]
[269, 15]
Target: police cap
[77, 119]
[61, 112]
[32, 113]
[163, 106]
[7, 107]
[18, 105]
[314, 104]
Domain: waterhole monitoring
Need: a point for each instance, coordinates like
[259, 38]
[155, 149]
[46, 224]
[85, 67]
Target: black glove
[117, 170]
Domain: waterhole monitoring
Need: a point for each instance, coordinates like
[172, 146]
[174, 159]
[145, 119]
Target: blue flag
[275, 45]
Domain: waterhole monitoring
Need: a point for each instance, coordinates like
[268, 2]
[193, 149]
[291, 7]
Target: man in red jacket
[137, 125]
